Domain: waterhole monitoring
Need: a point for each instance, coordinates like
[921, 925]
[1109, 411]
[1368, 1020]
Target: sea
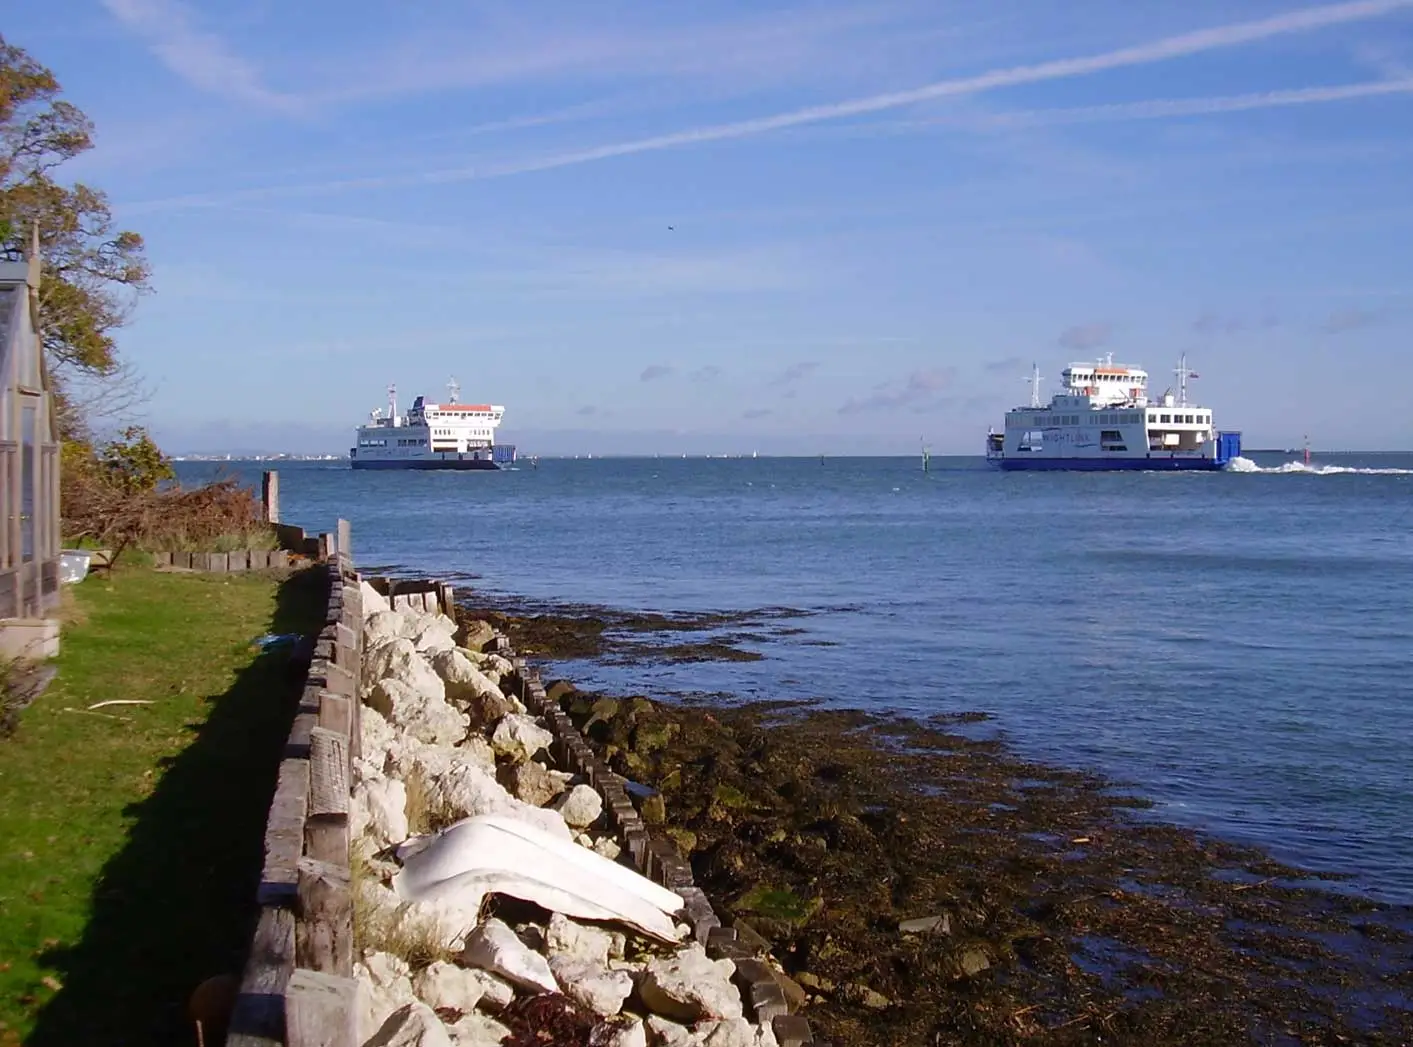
[1236, 647]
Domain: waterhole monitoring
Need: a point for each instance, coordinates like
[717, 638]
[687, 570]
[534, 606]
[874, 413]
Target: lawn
[130, 836]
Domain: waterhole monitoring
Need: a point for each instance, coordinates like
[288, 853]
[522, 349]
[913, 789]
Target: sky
[727, 227]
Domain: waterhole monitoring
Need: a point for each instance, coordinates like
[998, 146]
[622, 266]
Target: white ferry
[452, 435]
[1103, 419]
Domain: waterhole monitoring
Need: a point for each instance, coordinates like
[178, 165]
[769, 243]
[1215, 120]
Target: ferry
[449, 435]
[1103, 419]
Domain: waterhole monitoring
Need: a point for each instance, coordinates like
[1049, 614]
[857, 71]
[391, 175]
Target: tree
[93, 273]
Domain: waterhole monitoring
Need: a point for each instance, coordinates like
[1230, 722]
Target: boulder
[519, 738]
[477, 1030]
[400, 660]
[591, 985]
[631, 1033]
[383, 985]
[375, 734]
[734, 1032]
[384, 625]
[468, 790]
[608, 847]
[412, 1025]
[486, 709]
[494, 947]
[434, 637]
[445, 986]
[379, 811]
[532, 784]
[688, 986]
[580, 806]
[476, 634]
[664, 1033]
[564, 937]
[462, 679]
[622, 1031]
[373, 601]
[422, 714]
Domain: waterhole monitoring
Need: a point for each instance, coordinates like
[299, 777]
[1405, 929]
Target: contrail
[1158, 108]
[1182, 45]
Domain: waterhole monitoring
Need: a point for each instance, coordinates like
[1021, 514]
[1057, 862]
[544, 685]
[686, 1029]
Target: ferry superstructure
[449, 435]
[1103, 419]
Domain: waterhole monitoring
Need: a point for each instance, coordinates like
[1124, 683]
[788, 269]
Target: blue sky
[723, 227]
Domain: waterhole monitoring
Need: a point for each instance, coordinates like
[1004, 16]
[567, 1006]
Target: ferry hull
[427, 463]
[1164, 465]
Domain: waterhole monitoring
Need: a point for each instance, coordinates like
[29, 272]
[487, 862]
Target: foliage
[130, 835]
[134, 464]
[93, 272]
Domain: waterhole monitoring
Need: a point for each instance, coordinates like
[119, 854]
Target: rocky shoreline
[489, 908]
[921, 886]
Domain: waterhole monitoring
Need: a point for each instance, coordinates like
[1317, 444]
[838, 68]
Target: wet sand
[1049, 907]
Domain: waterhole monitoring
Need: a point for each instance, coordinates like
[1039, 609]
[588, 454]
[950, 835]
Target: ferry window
[1189, 418]
[1166, 418]
[1152, 417]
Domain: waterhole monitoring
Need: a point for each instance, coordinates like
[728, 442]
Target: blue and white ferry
[1103, 419]
[450, 435]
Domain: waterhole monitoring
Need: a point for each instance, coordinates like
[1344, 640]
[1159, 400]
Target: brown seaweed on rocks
[922, 887]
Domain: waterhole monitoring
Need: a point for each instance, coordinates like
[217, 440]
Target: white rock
[375, 733]
[400, 660]
[519, 737]
[734, 1032]
[629, 1034]
[413, 1025]
[382, 627]
[477, 1030]
[608, 847]
[496, 993]
[664, 1033]
[461, 676]
[445, 985]
[468, 790]
[379, 811]
[688, 986]
[373, 601]
[422, 714]
[591, 985]
[494, 947]
[434, 637]
[580, 806]
[564, 937]
[383, 987]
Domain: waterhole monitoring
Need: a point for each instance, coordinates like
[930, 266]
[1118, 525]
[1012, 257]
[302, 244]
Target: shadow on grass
[177, 904]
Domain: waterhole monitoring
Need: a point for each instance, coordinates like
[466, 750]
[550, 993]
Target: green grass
[130, 836]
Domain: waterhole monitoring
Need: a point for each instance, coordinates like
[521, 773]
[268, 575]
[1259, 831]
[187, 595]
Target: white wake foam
[1246, 465]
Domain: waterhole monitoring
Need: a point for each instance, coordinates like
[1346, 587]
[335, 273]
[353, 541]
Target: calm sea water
[1235, 646]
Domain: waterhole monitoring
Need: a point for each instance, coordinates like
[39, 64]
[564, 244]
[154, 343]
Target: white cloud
[198, 57]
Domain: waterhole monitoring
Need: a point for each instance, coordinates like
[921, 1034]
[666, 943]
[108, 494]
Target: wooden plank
[270, 495]
[258, 1019]
[297, 744]
[336, 713]
[162, 559]
[328, 772]
[238, 561]
[321, 1010]
[324, 930]
[345, 538]
[259, 559]
[181, 560]
[332, 677]
[279, 558]
[326, 838]
[284, 834]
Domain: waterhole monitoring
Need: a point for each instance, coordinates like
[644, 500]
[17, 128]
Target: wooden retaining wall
[250, 560]
[297, 988]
